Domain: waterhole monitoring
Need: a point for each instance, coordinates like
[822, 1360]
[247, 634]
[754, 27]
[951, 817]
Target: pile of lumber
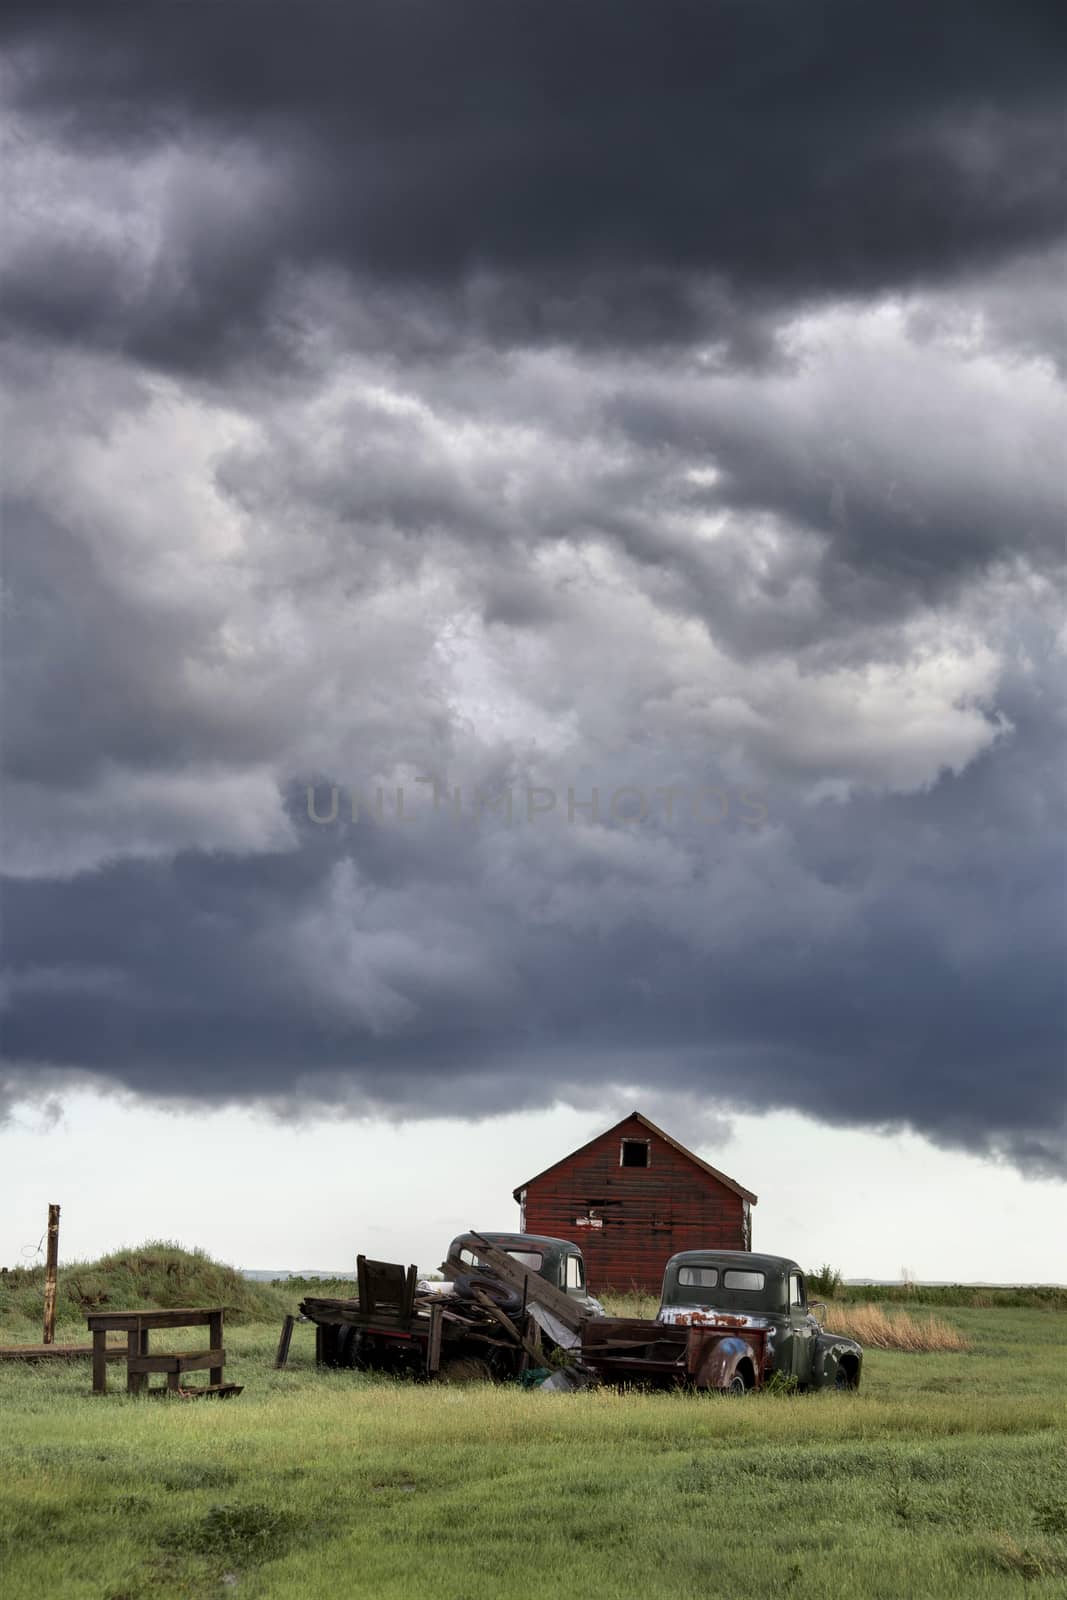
[491, 1307]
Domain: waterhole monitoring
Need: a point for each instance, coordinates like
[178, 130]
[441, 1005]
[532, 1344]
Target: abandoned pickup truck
[506, 1299]
[554, 1261]
[728, 1320]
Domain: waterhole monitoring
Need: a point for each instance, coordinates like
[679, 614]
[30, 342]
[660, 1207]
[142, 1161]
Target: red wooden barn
[631, 1197]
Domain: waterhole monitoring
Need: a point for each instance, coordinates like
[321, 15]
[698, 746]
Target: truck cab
[557, 1261]
[743, 1290]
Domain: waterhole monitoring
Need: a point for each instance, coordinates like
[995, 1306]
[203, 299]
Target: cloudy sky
[532, 585]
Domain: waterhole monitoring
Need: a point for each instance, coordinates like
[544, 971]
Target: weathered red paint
[630, 1220]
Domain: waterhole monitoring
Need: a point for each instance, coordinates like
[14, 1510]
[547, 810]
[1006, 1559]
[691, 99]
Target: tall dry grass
[877, 1329]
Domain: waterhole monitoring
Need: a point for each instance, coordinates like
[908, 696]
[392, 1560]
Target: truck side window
[575, 1273]
[796, 1291]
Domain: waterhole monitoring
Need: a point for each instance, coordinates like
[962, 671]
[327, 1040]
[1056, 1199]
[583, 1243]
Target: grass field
[944, 1476]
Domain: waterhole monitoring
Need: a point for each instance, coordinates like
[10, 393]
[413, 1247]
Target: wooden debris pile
[492, 1317]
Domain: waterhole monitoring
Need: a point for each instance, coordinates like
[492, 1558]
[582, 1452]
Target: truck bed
[635, 1350]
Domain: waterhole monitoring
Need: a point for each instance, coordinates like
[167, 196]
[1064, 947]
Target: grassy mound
[157, 1273]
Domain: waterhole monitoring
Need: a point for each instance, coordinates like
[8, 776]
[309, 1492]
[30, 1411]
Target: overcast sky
[532, 585]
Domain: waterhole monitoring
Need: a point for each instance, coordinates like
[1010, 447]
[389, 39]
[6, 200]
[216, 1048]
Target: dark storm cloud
[607, 171]
[668, 396]
[73, 704]
[916, 994]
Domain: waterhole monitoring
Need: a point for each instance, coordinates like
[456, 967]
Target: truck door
[801, 1331]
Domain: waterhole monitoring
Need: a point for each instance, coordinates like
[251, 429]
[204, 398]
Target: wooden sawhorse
[140, 1362]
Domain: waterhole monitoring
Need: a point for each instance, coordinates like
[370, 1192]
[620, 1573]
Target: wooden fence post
[283, 1343]
[50, 1266]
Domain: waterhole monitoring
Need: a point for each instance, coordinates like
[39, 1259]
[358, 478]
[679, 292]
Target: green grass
[943, 1477]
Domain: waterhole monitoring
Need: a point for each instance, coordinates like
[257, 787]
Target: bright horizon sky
[268, 1194]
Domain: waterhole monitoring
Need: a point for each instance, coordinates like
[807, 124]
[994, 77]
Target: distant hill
[276, 1274]
[944, 1283]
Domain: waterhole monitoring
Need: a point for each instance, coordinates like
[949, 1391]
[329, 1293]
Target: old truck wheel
[466, 1369]
[737, 1385]
[345, 1347]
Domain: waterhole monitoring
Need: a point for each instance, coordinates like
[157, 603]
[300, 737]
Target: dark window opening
[634, 1153]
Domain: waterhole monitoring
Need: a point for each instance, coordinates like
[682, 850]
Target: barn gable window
[634, 1153]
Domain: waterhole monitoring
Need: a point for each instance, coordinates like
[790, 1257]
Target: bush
[235, 1531]
[825, 1281]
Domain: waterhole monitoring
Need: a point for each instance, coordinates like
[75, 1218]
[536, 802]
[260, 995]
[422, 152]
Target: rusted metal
[633, 1350]
[51, 1267]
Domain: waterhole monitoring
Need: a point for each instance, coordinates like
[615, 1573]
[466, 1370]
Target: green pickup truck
[730, 1320]
[555, 1261]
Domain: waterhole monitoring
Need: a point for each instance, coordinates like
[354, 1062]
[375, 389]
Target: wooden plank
[215, 1337]
[505, 1322]
[285, 1338]
[100, 1362]
[177, 1361]
[135, 1381]
[48, 1352]
[152, 1317]
[386, 1288]
[221, 1391]
[433, 1343]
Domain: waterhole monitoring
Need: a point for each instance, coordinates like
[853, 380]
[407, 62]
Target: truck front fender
[836, 1362]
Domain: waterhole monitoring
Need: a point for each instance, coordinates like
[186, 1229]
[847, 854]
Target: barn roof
[730, 1183]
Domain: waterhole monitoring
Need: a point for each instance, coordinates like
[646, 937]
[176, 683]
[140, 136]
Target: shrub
[236, 1532]
[825, 1280]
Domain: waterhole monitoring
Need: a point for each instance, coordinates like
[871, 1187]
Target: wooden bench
[140, 1362]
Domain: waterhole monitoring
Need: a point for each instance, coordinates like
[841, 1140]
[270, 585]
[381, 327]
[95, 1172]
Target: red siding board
[648, 1213]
